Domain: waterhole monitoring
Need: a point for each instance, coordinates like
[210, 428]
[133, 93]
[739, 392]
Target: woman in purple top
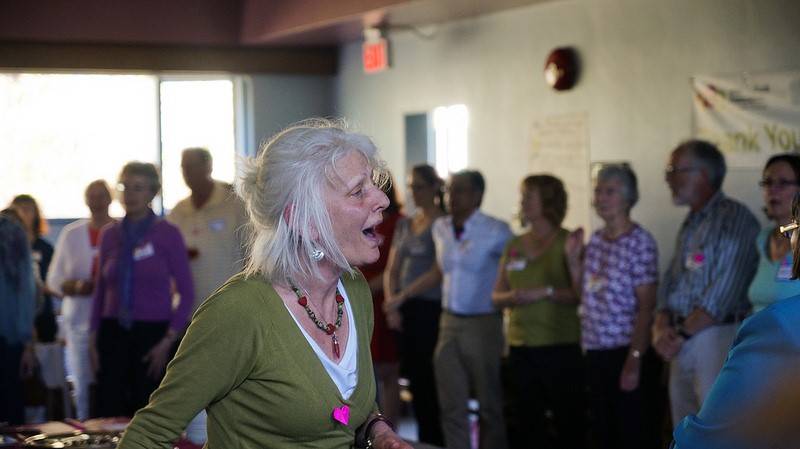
[617, 275]
[134, 326]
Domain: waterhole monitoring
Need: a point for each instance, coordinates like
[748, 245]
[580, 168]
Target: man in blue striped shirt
[703, 295]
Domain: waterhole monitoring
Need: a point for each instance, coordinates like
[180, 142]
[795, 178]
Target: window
[196, 114]
[58, 132]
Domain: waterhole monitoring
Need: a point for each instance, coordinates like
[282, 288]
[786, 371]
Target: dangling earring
[316, 254]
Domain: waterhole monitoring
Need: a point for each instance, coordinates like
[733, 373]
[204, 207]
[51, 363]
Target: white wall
[637, 59]
[280, 100]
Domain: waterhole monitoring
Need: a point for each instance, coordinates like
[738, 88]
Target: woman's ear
[287, 218]
[287, 213]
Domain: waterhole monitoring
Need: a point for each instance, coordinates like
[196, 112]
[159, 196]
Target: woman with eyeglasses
[142, 261]
[753, 402]
[772, 281]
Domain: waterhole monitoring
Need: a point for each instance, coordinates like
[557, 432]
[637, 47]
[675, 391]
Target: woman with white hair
[616, 275]
[279, 355]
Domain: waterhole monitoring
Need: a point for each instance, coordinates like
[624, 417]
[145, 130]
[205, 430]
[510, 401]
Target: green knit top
[542, 323]
[244, 359]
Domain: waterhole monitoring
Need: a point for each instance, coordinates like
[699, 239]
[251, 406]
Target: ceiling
[226, 23]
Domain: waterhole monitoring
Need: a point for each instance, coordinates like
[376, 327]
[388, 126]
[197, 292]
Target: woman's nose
[383, 200]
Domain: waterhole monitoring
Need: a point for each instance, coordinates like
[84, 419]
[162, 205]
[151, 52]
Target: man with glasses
[753, 403]
[468, 354]
[703, 295]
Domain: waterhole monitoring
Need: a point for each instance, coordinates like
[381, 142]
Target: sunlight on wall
[450, 136]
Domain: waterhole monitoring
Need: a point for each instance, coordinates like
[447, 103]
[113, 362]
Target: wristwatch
[548, 291]
[680, 330]
[364, 433]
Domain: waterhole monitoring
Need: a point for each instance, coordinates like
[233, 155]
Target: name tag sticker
[695, 262]
[595, 283]
[516, 265]
[144, 251]
[784, 271]
[216, 225]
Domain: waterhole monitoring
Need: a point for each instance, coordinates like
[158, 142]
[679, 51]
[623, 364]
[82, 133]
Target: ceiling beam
[152, 58]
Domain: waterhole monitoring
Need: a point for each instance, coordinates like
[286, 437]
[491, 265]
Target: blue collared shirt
[714, 261]
[469, 264]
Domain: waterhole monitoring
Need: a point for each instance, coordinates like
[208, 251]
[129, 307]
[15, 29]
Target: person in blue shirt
[469, 351]
[779, 182]
[17, 306]
[754, 400]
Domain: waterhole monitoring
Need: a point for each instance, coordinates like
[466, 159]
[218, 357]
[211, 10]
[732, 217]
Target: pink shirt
[612, 270]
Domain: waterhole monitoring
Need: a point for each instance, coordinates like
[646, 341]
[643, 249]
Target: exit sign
[376, 56]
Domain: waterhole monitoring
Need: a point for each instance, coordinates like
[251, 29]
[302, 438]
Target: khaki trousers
[467, 362]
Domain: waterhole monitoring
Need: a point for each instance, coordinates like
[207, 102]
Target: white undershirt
[345, 373]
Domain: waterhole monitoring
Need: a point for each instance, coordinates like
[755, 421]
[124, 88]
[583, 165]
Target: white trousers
[75, 325]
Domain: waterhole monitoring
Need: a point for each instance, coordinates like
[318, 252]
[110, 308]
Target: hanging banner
[750, 116]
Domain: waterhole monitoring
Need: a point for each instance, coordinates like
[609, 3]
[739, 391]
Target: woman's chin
[367, 258]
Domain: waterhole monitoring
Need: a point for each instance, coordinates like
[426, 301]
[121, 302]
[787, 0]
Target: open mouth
[372, 234]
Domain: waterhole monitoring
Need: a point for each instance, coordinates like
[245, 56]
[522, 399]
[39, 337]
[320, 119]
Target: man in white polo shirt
[210, 220]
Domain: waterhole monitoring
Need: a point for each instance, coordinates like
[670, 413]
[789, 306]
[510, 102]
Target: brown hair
[796, 218]
[40, 226]
[553, 195]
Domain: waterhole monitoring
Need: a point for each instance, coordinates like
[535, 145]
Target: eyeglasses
[779, 183]
[135, 188]
[670, 171]
[460, 190]
[418, 186]
[787, 229]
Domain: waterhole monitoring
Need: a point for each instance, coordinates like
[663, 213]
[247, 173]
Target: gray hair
[291, 173]
[707, 156]
[625, 175]
[144, 169]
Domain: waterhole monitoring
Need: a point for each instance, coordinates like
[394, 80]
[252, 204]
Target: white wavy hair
[292, 170]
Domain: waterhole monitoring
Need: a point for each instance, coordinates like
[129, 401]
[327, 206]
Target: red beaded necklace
[329, 328]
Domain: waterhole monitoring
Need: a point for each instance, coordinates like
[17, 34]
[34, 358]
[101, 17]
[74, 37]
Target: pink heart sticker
[342, 414]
